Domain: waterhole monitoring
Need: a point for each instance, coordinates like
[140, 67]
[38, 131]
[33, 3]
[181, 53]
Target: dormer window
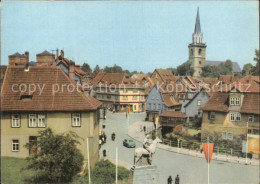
[235, 101]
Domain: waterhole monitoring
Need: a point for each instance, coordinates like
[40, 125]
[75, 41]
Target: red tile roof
[217, 102]
[174, 114]
[48, 100]
[170, 101]
[251, 103]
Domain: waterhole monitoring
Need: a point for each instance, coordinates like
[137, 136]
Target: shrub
[57, 159]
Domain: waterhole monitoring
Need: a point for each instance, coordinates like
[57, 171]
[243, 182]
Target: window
[232, 101]
[200, 51]
[125, 90]
[154, 106]
[134, 107]
[16, 120]
[159, 106]
[15, 145]
[212, 115]
[41, 120]
[135, 90]
[108, 96]
[149, 106]
[134, 98]
[199, 102]
[116, 97]
[75, 120]
[251, 118]
[235, 116]
[227, 135]
[191, 51]
[125, 97]
[32, 120]
[237, 101]
[199, 62]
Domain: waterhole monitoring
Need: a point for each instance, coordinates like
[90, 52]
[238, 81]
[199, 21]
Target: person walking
[177, 179]
[170, 180]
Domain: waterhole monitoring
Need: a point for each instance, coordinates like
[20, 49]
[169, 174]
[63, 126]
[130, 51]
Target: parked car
[129, 143]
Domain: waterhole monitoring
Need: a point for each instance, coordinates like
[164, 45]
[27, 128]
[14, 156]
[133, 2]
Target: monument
[144, 170]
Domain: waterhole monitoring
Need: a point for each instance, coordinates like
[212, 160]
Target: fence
[198, 147]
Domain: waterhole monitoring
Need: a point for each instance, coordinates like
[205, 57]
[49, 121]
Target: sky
[136, 35]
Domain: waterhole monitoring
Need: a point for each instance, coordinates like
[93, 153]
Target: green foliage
[256, 69]
[113, 69]
[104, 172]
[86, 68]
[225, 68]
[185, 69]
[97, 69]
[149, 74]
[11, 170]
[57, 159]
[247, 69]
[209, 71]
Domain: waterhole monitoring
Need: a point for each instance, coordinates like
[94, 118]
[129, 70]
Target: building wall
[45, 60]
[59, 122]
[192, 108]
[17, 60]
[119, 98]
[222, 123]
[197, 60]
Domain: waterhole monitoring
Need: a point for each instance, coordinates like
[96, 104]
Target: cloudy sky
[135, 35]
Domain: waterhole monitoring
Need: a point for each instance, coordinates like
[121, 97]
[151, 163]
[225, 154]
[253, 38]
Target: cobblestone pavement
[191, 169]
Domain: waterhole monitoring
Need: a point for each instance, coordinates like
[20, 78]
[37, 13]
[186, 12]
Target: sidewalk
[135, 131]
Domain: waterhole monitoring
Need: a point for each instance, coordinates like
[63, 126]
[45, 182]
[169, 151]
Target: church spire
[197, 35]
[197, 25]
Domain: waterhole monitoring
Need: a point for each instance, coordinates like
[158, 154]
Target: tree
[209, 71]
[97, 69]
[256, 69]
[185, 69]
[86, 68]
[57, 158]
[247, 69]
[225, 68]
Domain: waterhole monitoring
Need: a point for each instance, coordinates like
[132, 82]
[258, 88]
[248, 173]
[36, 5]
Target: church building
[197, 52]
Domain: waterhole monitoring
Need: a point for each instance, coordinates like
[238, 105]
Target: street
[191, 169]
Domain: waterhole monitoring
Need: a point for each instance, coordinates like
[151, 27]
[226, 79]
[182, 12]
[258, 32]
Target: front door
[32, 145]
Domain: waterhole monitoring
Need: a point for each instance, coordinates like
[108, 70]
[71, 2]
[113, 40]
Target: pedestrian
[170, 180]
[177, 179]
[100, 142]
[104, 153]
[113, 136]
[144, 129]
[105, 138]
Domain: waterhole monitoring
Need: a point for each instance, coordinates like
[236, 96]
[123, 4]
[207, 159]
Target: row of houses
[45, 94]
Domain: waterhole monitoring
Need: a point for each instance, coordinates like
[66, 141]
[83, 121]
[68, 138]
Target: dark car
[129, 143]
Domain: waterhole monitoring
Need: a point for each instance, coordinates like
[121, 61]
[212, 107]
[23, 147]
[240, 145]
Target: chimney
[62, 53]
[57, 53]
[26, 57]
[72, 71]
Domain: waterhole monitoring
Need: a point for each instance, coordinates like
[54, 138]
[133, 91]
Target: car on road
[129, 143]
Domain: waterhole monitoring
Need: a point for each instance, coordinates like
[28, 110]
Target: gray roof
[45, 53]
[17, 54]
[236, 67]
[197, 25]
[32, 63]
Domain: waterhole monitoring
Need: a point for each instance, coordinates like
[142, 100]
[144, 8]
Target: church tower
[197, 49]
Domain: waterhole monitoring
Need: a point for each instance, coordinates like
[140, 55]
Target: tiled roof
[45, 53]
[48, 100]
[139, 76]
[17, 54]
[170, 101]
[236, 67]
[79, 71]
[217, 102]
[251, 103]
[165, 75]
[227, 79]
[174, 114]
